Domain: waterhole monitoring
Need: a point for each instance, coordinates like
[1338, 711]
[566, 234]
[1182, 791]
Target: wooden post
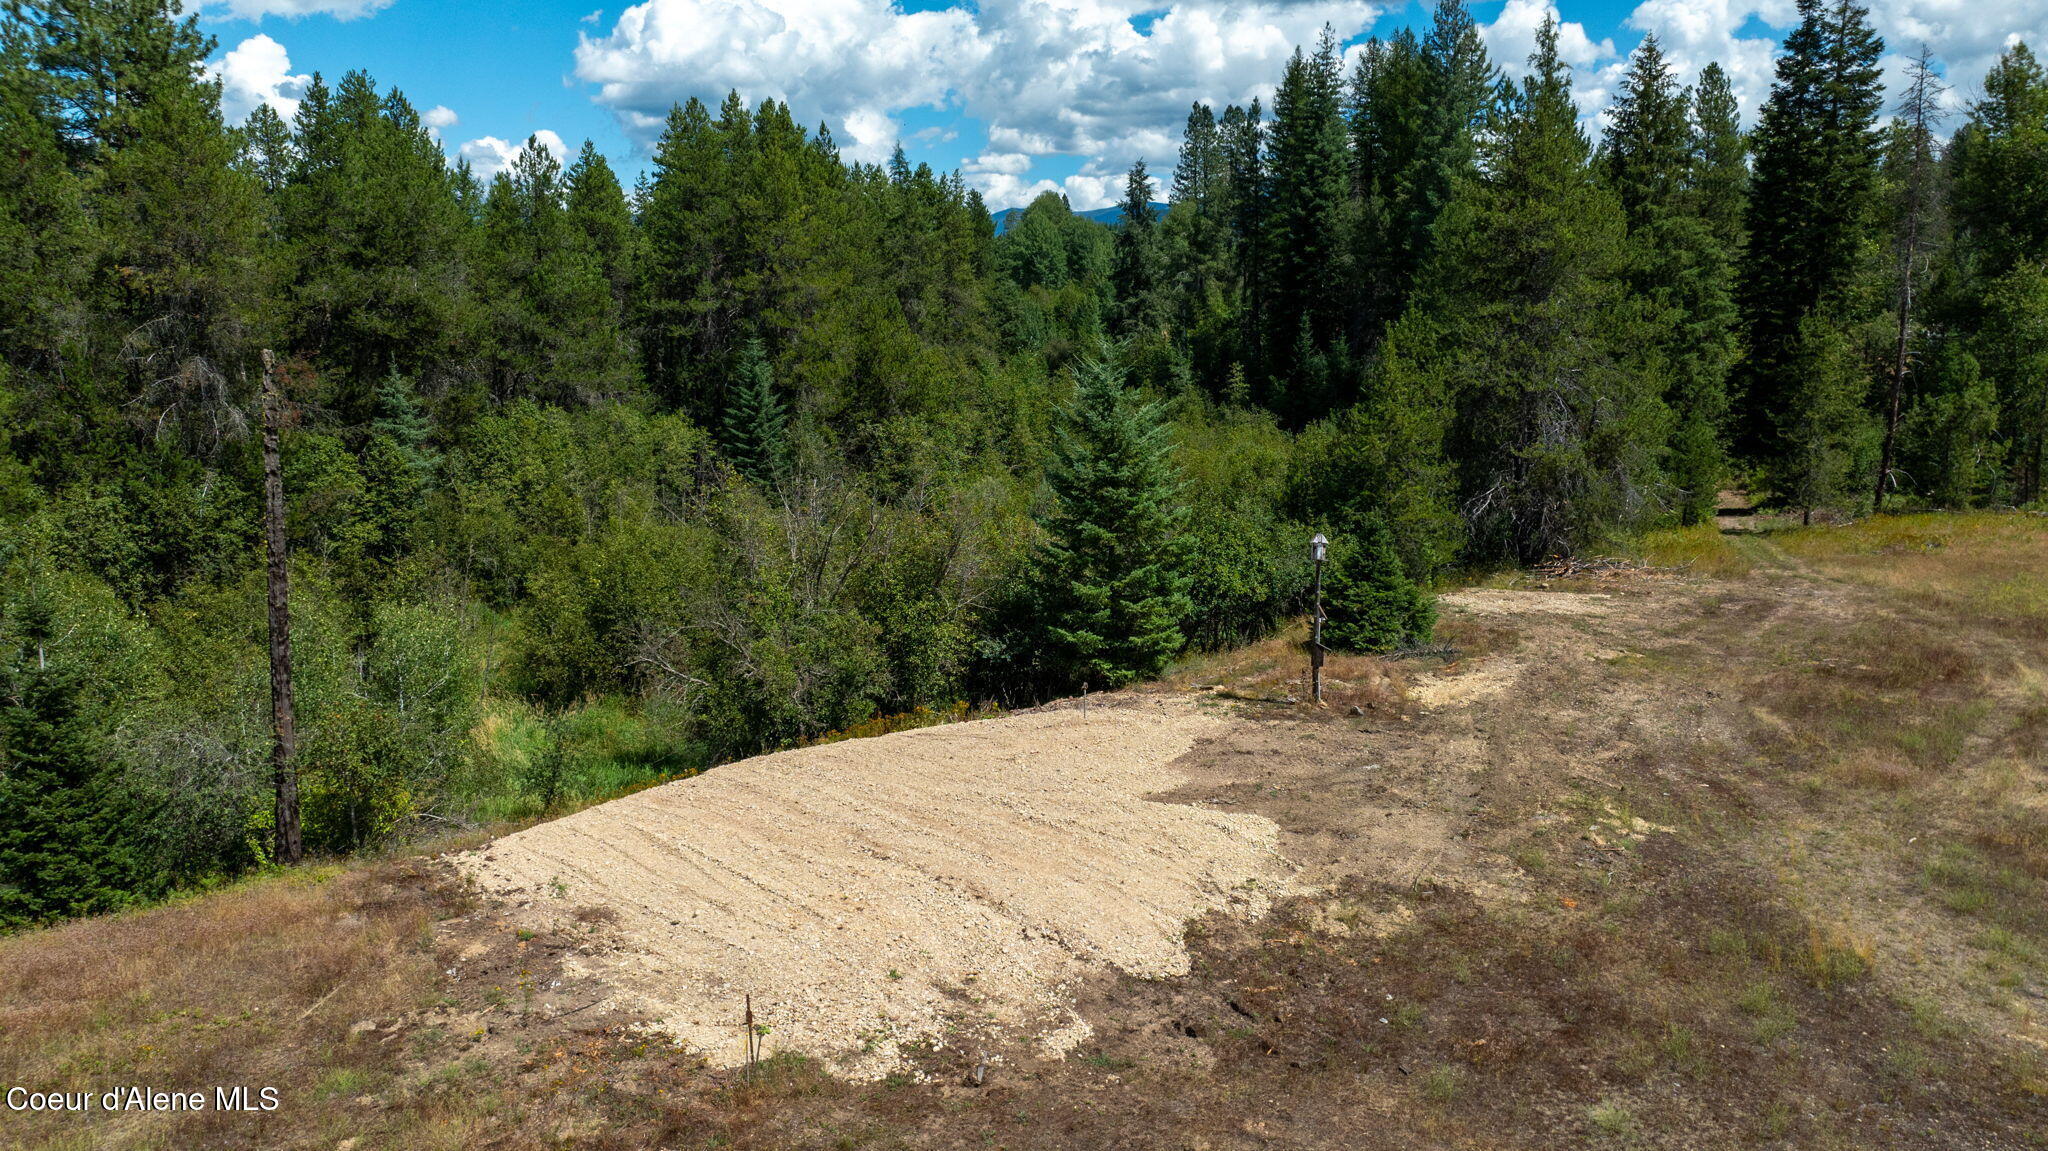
[290, 846]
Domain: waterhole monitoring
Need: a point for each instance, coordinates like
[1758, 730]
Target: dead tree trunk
[1922, 112]
[290, 846]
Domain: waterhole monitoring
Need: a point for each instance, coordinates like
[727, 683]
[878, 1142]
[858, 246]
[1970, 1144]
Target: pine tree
[596, 206]
[67, 844]
[554, 331]
[1391, 134]
[1133, 275]
[1827, 440]
[1810, 204]
[1720, 158]
[1371, 603]
[1558, 425]
[1242, 134]
[2001, 181]
[681, 216]
[753, 433]
[1949, 438]
[1462, 85]
[60, 853]
[178, 270]
[1194, 239]
[379, 239]
[1110, 574]
[267, 148]
[1646, 154]
[1679, 267]
[400, 420]
[1310, 173]
[2012, 345]
[43, 236]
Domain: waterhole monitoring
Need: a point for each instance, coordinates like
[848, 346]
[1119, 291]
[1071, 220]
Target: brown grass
[1987, 564]
[259, 985]
[1275, 671]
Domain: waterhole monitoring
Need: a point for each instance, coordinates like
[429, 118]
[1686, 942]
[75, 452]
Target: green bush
[1371, 603]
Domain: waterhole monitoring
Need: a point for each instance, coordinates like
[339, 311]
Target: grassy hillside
[1656, 860]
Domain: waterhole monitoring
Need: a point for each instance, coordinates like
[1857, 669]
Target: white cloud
[488, 155]
[293, 9]
[439, 119]
[1596, 65]
[1967, 37]
[1005, 163]
[1112, 79]
[1072, 77]
[258, 71]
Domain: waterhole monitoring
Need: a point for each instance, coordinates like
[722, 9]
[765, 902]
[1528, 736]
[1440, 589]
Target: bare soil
[881, 894]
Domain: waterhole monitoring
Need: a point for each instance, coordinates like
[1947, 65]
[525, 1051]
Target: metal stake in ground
[1318, 550]
[753, 1040]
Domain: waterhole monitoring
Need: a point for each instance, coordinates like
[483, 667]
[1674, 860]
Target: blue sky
[1021, 95]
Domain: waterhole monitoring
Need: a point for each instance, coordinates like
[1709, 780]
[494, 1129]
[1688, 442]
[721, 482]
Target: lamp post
[1319, 551]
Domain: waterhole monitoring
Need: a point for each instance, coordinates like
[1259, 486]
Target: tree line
[588, 483]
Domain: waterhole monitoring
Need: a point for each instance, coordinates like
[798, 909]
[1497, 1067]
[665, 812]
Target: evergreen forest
[589, 485]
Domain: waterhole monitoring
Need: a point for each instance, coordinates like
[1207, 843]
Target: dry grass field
[1749, 855]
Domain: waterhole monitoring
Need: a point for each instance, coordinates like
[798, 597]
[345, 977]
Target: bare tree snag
[284, 747]
[1922, 112]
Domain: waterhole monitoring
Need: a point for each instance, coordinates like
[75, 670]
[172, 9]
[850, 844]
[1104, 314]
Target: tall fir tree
[1391, 134]
[1310, 173]
[1462, 84]
[1680, 269]
[1110, 575]
[70, 843]
[1195, 247]
[1558, 425]
[1646, 155]
[1810, 209]
[1134, 274]
[2001, 178]
[1914, 174]
[2012, 344]
[179, 273]
[379, 242]
[1243, 135]
[596, 206]
[43, 226]
[1827, 438]
[1719, 183]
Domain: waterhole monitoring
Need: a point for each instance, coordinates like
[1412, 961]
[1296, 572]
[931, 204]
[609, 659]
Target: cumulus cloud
[1004, 179]
[1099, 78]
[488, 155]
[439, 119]
[1596, 65]
[1112, 79]
[1966, 37]
[258, 71]
[293, 9]
[857, 62]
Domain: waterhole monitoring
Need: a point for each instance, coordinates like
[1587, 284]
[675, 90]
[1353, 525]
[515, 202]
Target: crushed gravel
[916, 889]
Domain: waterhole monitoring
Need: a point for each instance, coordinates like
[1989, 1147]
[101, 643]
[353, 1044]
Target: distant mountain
[1105, 216]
